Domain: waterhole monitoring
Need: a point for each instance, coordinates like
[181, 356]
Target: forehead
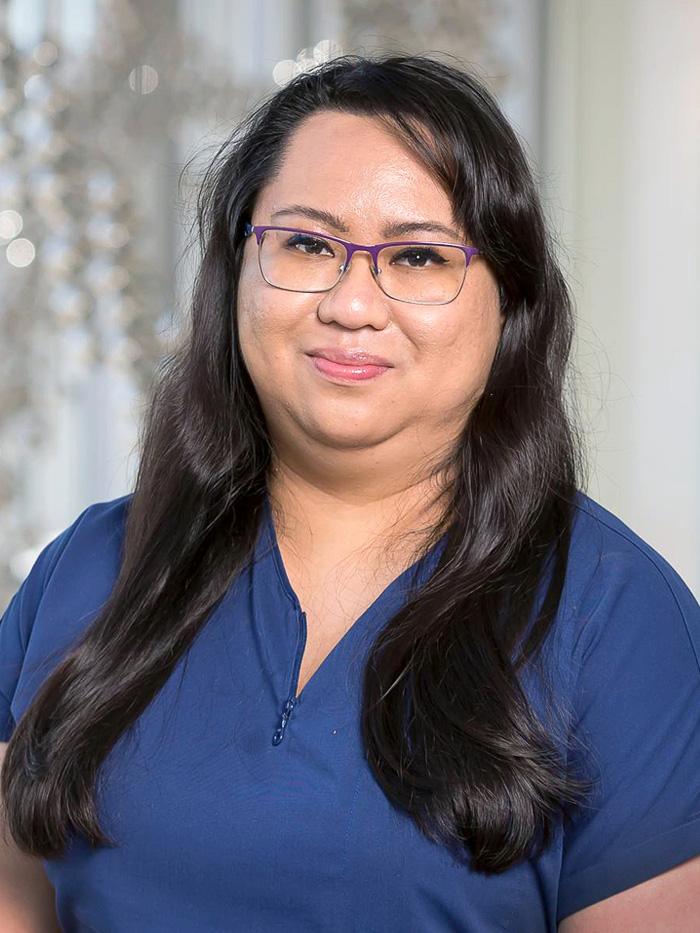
[354, 167]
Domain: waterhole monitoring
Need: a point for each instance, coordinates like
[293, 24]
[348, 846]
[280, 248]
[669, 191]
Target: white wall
[621, 146]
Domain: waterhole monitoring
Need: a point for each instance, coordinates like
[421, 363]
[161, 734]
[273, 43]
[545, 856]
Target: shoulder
[609, 544]
[82, 559]
[94, 535]
[103, 520]
[92, 543]
[615, 575]
[598, 528]
[69, 580]
[633, 627]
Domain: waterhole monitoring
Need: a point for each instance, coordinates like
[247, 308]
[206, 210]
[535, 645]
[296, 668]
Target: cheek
[254, 313]
[267, 326]
[253, 331]
[457, 350]
[466, 342]
[481, 331]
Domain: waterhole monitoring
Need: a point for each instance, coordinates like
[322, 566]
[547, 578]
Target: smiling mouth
[350, 372]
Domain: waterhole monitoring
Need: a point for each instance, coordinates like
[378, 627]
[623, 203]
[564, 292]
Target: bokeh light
[20, 252]
[45, 54]
[143, 80]
[10, 224]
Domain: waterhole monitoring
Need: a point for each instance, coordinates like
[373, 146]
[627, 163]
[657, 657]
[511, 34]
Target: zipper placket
[292, 698]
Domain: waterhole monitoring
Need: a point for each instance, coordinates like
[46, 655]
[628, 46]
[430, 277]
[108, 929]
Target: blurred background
[102, 104]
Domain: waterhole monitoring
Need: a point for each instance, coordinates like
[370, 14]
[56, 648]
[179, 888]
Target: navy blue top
[232, 816]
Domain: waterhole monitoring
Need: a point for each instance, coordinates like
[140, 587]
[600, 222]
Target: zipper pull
[286, 712]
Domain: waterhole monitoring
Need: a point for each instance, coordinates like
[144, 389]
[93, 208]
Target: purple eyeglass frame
[259, 229]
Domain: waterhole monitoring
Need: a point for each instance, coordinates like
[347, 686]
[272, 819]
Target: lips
[346, 372]
[350, 356]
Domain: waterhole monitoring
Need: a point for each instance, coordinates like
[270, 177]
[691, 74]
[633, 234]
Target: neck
[387, 519]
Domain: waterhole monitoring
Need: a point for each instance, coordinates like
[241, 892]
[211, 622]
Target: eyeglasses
[409, 270]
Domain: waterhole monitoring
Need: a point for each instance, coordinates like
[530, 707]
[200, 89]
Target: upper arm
[17, 622]
[27, 898]
[637, 708]
[30, 627]
[667, 903]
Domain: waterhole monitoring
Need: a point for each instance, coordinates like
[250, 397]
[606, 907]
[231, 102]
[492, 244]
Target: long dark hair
[472, 764]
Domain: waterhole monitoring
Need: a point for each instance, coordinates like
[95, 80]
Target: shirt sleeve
[17, 621]
[637, 705]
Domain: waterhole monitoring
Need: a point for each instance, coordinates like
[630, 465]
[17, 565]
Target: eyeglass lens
[420, 273]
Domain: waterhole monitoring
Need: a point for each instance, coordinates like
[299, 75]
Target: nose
[356, 298]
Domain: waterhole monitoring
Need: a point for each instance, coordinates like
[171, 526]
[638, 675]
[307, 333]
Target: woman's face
[440, 355]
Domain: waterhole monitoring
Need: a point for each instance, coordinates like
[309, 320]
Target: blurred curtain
[621, 160]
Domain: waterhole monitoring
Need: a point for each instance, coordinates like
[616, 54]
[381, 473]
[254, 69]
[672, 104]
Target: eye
[418, 256]
[309, 245]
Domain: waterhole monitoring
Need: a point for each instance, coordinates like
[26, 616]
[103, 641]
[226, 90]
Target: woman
[358, 653]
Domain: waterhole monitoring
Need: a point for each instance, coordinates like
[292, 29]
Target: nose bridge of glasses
[352, 248]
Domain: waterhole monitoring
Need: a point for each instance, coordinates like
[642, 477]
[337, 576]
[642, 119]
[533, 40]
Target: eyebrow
[397, 228]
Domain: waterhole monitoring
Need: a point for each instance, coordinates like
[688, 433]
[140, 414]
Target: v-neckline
[360, 621]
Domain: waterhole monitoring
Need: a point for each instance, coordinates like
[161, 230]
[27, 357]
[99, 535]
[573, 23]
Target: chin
[358, 437]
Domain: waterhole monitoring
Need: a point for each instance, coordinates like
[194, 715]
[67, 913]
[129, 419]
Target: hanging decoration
[84, 282]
